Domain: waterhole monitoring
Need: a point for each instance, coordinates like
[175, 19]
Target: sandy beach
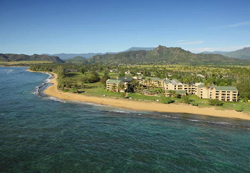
[136, 105]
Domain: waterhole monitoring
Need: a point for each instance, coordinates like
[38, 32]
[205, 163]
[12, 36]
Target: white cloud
[234, 25]
[211, 49]
[180, 41]
[183, 42]
[238, 24]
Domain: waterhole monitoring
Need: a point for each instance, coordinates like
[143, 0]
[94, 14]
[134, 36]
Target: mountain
[77, 60]
[139, 48]
[240, 54]
[65, 56]
[35, 57]
[164, 55]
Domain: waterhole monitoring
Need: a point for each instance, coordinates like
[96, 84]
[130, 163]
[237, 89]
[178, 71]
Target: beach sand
[138, 105]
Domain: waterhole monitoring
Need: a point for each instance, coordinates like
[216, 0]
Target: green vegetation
[77, 60]
[239, 108]
[23, 63]
[167, 100]
[186, 99]
[35, 57]
[215, 102]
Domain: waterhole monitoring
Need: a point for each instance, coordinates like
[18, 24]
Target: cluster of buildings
[222, 93]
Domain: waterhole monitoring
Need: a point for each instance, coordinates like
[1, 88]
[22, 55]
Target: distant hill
[65, 56]
[139, 48]
[35, 57]
[240, 54]
[164, 55]
[77, 60]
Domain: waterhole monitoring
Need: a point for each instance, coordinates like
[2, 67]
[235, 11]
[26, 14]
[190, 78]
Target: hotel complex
[222, 93]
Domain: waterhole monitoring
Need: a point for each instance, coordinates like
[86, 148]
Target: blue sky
[79, 26]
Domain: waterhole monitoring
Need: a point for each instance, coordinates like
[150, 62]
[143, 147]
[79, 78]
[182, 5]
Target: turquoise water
[43, 134]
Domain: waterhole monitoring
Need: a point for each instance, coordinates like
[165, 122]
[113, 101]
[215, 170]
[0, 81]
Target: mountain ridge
[243, 53]
[23, 57]
[164, 55]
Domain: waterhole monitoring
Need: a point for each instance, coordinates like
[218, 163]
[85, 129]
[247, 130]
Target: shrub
[85, 79]
[239, 108]
[65, 90]
[194, 104]
[167, 100]
[73, 90]
[215, 102]
[186, 99]
[123, 95]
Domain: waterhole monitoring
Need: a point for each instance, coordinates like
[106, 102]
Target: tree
[121, 86]
[60, 72]
[243, 87]
[186, 99]
[85, 79]
[105, 78]
[94, 77]
[83, 70]
[122, 73]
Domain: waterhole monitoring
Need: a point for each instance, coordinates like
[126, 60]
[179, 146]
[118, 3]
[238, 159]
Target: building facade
[114, 85]
[222, 93]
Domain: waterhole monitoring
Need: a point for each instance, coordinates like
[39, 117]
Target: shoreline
[142, 106]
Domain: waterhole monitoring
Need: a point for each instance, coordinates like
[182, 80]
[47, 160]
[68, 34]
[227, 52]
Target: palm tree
[121, 87]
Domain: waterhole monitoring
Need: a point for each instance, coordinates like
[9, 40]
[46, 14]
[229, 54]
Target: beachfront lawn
[139, 96]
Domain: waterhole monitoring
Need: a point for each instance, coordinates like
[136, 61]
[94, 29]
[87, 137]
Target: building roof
[113, 81]
[126, 79]
[201, 85]
[175, 82]
[167, 81]
[232, 88]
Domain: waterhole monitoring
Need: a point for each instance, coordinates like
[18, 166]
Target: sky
[80, 26]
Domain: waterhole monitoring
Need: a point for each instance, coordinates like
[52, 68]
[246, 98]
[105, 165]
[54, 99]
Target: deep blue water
[42, 134]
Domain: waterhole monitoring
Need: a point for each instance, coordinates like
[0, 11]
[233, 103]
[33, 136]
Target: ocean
[40, 134]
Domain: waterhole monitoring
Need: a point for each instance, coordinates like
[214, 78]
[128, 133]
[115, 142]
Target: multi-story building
[114, 85]
[222, 93]
[178, 86]
[120, 84]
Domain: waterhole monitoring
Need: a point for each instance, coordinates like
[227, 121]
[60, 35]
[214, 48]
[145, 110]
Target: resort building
[176, 85]
[222, 93]
[114, 85]
[120, 84]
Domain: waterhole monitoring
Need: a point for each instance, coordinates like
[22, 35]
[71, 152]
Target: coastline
[143, 106]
